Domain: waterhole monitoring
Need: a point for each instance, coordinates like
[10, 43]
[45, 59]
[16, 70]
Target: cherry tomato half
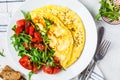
[51, 70]
[26, 46]
[56, 70]
[18, 30]
[36, 69]
[48, 69]
[25, 62]
[21, 23]
[56, 60]
[27, 29]
[37, 35]
[39, 46]
[31, 30]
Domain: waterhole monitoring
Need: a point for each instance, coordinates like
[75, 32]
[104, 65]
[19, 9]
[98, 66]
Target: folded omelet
[60, 37]
[73, 26]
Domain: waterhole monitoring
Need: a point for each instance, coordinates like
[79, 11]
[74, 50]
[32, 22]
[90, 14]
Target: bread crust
[8, 73]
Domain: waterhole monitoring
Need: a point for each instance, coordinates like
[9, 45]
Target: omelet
[60, 37]
[74, 24]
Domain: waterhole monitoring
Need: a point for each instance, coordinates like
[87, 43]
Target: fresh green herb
[109, 9]
[50, 61]
[48, 22]
[14, 27]
[2, 53]
[45, 39]
[37, 27]
[18, 40]
[49, 51]
[26, 15]
[30, 75]
[35, 55]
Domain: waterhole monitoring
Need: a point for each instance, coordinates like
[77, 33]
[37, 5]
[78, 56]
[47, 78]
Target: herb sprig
[109, 9]
[30, 75]
[2, 53]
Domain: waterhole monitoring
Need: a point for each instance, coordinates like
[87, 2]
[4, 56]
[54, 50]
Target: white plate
[90, 44]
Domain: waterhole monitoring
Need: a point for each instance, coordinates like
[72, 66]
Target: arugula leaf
[30, 75]
[46, 40]
[2, 53]
[110, 6]
[18, 40]
[44, 34]
[48, 22]
[26, 15]
[14, 27]
[35, 55]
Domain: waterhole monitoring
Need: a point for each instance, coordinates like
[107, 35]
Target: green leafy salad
[32, 46]
[109, 9]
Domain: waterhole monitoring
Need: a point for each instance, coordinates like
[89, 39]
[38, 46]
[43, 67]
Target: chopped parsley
[2, 53]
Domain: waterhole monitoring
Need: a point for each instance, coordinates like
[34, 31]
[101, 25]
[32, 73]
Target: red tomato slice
[21, 23]
[35, 69]
[37, 40]
[27, 29]
[56, 70]
[27, 26]
[56, 60]
[39, 46]
[31, 30]
[48, 69]
[37, 35]
[28, 23]
[26, 46]
[25, 62]
[51, 70]
[18, 30]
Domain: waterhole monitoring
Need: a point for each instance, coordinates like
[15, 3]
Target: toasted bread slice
[10, 74]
